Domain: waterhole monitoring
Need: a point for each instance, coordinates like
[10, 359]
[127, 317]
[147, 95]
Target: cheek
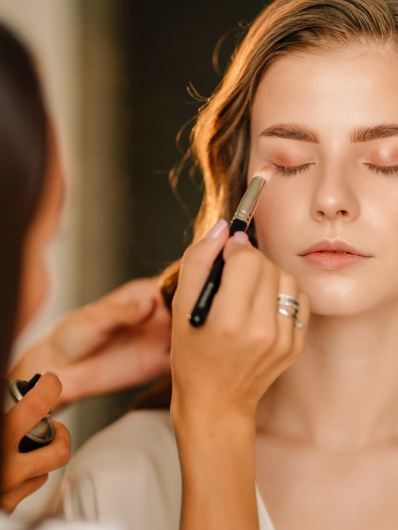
[278, 214]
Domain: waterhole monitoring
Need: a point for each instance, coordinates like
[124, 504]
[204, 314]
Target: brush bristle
[265, 172]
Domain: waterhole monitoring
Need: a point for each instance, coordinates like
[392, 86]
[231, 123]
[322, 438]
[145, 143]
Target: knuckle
[226, 326]
[192, 253]
[38, 405]
[227, 330]
[40, 480]
[266, 336]
[56, 456]
[63, 452]
[247, 260]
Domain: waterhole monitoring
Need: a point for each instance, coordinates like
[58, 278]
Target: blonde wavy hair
[220, 139]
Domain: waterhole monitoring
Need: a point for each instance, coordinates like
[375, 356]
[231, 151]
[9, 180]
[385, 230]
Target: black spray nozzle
[25, 386]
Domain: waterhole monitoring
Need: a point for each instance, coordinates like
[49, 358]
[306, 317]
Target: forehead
[342, 88]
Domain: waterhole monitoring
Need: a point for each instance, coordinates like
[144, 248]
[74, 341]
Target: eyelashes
[291, 171]
[385, 170]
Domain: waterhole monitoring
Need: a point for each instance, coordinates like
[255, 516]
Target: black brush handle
[212, 284]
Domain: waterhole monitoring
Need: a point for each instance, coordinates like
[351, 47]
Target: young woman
[128, 328]
[309, 416]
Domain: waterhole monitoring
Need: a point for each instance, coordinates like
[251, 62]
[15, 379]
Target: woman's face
[34, 274]
[332, 121]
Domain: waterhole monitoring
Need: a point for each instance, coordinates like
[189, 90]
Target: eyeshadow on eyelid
[383, 158]
[290, 160]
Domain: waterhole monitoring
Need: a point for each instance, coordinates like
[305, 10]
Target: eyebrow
[366, 134]
[305, 134]
[292, 132]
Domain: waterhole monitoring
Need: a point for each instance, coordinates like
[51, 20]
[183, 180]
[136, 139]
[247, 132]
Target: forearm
[218, 471]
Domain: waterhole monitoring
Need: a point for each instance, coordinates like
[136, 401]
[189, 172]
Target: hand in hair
[24, 473]
[121, 340]
[221, 370]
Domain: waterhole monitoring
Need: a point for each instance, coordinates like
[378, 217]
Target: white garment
[54, 524]
[131, 470]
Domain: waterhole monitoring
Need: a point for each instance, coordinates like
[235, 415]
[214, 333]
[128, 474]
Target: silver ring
[298, 324]
[288, 300]
[288, 303]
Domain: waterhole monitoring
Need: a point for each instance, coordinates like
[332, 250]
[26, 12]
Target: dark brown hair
[23, 153]
[220, 140]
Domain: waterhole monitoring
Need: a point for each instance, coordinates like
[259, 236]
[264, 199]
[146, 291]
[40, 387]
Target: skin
[324, 431]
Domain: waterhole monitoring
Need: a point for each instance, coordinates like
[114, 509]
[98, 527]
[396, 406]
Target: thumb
[32, 408]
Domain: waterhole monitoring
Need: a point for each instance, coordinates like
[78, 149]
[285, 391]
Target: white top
[130, 472]
[6, 523]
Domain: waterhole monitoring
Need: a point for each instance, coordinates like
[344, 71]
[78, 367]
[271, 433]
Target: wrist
[217, 454]
[209, 425]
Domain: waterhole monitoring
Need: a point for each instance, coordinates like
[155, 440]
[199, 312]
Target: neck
[343, 392]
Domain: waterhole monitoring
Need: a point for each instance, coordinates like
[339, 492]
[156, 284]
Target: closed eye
[290, 171]
[386, 170]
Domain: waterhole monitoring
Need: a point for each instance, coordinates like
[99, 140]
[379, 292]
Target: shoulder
[130, 470]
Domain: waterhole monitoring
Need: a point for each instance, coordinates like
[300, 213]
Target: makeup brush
[240, 223]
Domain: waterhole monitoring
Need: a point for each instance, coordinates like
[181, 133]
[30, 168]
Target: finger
[136, 290]
[10, 500]
[287, 285]
[32, 408]
[122, 369]
[50, 457]
[239, 282]
[263, 313]
[304, 316]
[196, 265]
[86, 330]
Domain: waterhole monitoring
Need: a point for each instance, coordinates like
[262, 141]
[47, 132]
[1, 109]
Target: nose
[334, 198]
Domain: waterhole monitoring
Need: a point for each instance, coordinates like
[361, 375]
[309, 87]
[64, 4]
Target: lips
[333, 255]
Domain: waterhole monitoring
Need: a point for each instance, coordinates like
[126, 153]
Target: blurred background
[116, 75]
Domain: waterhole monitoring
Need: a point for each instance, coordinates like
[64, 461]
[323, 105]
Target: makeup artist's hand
[24, 473]
[221, 370]
[226, 365]
[119, 341]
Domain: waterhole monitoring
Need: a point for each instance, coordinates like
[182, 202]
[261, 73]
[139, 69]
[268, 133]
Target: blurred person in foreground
[116, 342]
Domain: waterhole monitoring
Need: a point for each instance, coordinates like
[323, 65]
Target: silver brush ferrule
[249, 200]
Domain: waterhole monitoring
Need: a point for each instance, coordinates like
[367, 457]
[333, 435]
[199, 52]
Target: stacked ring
[287, 300]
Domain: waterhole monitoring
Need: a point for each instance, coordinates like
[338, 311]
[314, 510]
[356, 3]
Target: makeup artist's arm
[220, 371]
[119, 341]
[24, 473]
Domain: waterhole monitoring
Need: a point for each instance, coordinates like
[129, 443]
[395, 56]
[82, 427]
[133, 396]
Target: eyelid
[293, 167]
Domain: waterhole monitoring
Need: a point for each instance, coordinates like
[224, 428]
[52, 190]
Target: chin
[339, 300]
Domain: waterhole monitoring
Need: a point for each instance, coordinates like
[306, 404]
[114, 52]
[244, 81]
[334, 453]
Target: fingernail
[241, 237]
[145, 305]
[214, 232]
[52, 373]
